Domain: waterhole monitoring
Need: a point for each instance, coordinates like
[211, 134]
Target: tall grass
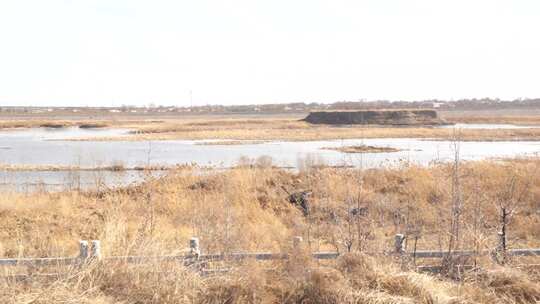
[356, 212]
[294, 130]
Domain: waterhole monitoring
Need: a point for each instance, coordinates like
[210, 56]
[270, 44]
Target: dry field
[507, 116]
[247, 208]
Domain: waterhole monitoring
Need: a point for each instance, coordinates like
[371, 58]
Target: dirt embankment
[381, 117]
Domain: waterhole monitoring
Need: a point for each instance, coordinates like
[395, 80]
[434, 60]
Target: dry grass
[58, 123]
[246, 208]
[300, 131]
[517, 117]
[281, 129]
[266, 128]
[39, 123]
[298, 282]
[363, 149]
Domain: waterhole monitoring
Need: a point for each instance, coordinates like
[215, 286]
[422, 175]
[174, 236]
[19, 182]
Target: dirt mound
[380, 117]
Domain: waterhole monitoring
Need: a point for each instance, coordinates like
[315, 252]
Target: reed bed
[268, 128]
[249, 208]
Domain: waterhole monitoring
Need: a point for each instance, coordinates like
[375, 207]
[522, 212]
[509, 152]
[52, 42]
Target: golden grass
[39, 123]
[269, 128]
[294, 130]
[521, 117]
[299, 131]
[58, 123]
[298, 282]
[246, 208]
[193, 202]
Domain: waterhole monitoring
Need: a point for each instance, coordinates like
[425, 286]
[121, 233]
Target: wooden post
[194, 247]
[297, 241]
[399, 243]
[83, 249]
[96, 250]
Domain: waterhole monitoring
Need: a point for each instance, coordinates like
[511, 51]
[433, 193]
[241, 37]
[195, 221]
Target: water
[59, 133]
[30, 181]
[43, 147]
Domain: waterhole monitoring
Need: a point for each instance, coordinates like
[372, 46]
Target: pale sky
[114, 52]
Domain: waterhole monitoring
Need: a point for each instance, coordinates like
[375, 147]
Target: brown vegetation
[521, 117]
[290, 128]
[93, 125]
[246, 208]
[363, 149]
[9, 124]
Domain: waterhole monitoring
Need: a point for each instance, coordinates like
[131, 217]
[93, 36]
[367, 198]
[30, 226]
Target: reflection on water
[34, 147]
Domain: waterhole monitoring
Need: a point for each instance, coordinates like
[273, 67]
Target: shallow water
[60, 133]
[46, 147]
[30, 181]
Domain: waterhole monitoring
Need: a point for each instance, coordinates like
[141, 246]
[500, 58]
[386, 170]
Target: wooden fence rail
[92, 252]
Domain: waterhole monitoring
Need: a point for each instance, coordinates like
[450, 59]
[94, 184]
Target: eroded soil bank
[379, 117]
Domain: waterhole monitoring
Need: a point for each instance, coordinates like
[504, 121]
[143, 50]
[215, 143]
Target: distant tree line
[298, 107]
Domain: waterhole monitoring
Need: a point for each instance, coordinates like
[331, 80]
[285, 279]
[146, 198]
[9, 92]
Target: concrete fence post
[399, 243]
[501, 241]
[499, 255]
[194, 248]
[83, 250]
[96, 250]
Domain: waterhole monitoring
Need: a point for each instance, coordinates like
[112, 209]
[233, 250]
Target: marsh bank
[45, 147]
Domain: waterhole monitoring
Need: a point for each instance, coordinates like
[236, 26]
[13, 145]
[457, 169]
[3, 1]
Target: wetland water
[46, 147]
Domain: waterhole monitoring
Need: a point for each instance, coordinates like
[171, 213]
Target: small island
[363, 149]
[409, 117]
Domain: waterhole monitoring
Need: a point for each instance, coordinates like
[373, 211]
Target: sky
[176, 52]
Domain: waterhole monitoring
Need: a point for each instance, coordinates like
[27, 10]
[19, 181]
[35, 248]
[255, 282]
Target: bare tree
[448, 261]
[508, 202]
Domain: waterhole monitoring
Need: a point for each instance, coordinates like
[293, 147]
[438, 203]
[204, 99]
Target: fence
[89, 252]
